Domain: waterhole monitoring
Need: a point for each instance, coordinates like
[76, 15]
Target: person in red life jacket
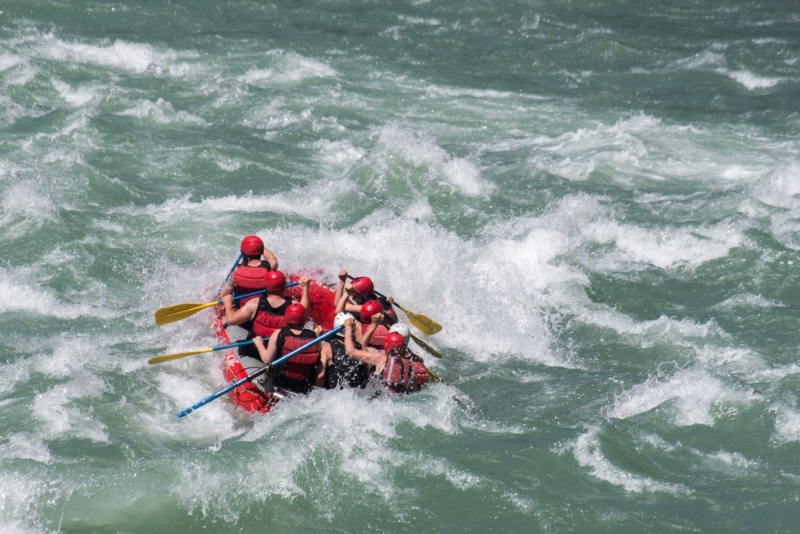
[392, 367]
[420, 371]
[302, 372]
[360, 288]
[340, 369]
[264, 315]
[248, 276]
[366, 311]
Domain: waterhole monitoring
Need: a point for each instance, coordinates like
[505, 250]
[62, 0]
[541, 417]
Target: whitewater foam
[587, 451]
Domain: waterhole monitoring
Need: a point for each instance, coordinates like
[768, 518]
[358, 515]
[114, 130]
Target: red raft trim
[247, 396]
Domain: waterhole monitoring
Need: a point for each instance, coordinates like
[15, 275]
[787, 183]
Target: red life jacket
[377, 337]
[247, 279]
[301, 366]
[268, 319]
[403, 374]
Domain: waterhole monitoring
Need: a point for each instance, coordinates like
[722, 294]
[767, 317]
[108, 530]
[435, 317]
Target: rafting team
[364, 350]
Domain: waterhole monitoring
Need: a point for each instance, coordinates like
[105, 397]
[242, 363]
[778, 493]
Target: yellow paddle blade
[178, 356]
[427, 348]
[170, 314]
[424, 324]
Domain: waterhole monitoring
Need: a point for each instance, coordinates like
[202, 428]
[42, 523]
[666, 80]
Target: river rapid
[599, 200]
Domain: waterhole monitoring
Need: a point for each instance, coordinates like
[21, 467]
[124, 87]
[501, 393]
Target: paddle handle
[261, 292]
[259, 372]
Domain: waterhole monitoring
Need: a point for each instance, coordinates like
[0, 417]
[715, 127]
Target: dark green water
[599, 200]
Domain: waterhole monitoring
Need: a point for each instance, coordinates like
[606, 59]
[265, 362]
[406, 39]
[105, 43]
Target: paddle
[179, 355]
[259, 372]
[424, 324]
[171, 314]
[425, 346]
[225, 280]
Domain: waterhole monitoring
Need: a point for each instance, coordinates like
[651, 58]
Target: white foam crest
[701, 59]
[732, 462]
[780, 188]
[430, 269]
[668, 248]
[304, 202]
[332, 432]
[60, 418]
[119, 55]
[24, 208]
[774, 374]
[749, 80]
[185, 385]
[421, 151]
[288, 68]
[735, 360]
[77, 364]
[482, 94]
[664, 328]
[694, 393]
[9, 61]
[162, 112]
[787, 423]
[656, 441]
[582, 218]
[21, 500]
[25, 446]
[587, 451]
[19, 295]
[337, 157]
[747, 300]
[272, 116]
[418, 20]
[75, 97]
[575, 155]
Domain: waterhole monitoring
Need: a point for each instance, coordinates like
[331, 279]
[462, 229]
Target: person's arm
[228, 289]
[340, 287]
[325, 354]
[266, 353]
[376, 358]
[271, 258]
[344, 304]
[341, 302]
[304, 282]
[258, 343]
[389, 310]
[319, 379]
[243, 314]
[374, 322]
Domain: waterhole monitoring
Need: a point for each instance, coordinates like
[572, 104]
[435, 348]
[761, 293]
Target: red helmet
[252, 246]
[295, 315]
[364, 286]
[394, 343]
[370, 308]
[274, 281]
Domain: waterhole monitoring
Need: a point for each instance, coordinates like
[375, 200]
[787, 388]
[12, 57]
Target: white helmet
[401, 329]
[340, 319]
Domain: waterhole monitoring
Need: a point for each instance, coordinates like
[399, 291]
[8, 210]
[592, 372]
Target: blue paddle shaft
[237, 344]
[259, 372]
[261, 292]
[225, 281]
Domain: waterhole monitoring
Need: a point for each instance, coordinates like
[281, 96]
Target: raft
[248, 396]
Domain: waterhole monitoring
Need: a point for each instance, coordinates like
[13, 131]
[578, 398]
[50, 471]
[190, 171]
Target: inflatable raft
[248, 396]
